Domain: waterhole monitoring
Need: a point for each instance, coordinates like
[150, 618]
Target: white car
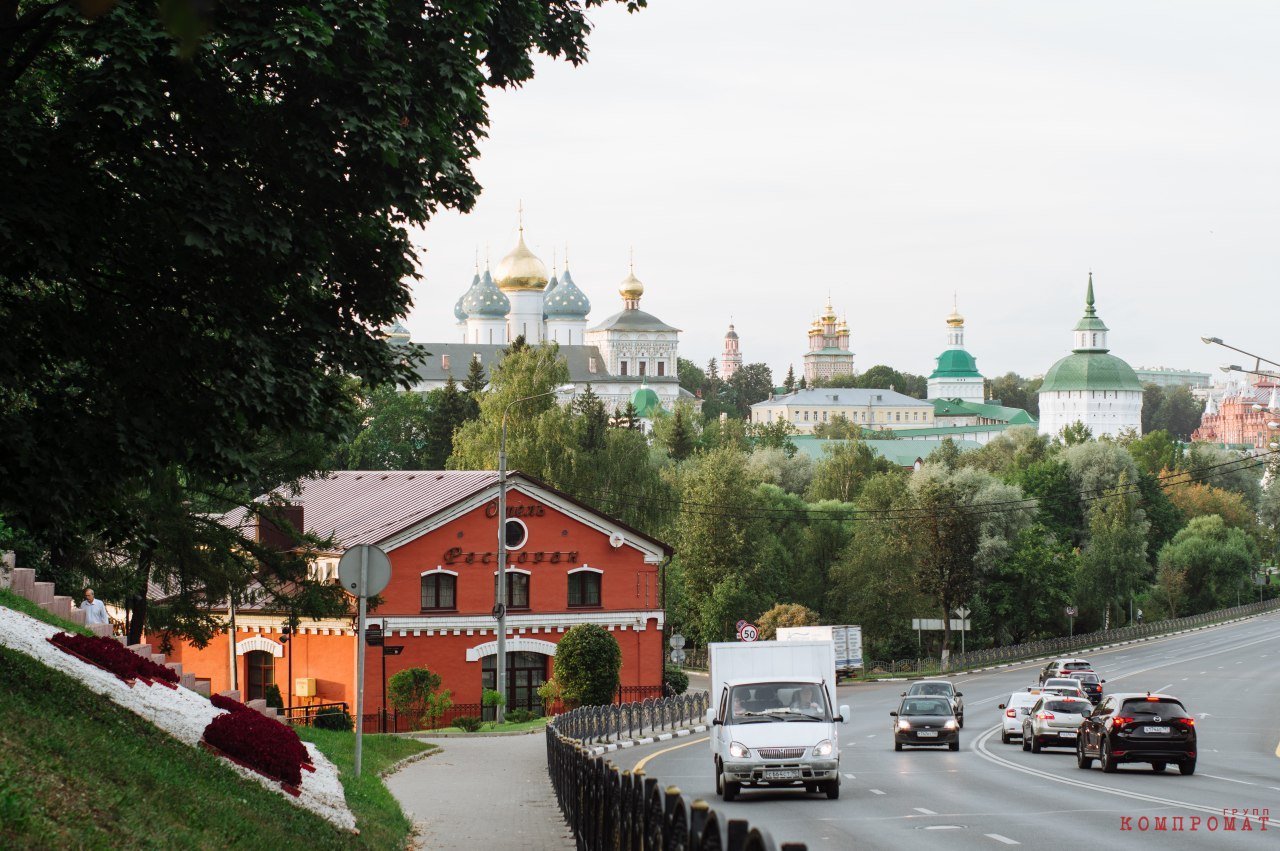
[1054, 721]
[1013, 712]
[1064, 686]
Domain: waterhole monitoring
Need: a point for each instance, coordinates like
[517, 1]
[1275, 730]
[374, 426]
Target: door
[526, 672]
[261, 667]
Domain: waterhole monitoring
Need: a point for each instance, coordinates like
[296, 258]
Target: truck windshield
[778, 701]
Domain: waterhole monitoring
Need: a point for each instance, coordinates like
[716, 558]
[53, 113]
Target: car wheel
[1004, 737]
[1108, 761]
[731, 790]
[1035, 744]
[719, 778]
[955, 746]
[1082, 761]
[1158, 767]
[960, 721]
[1026, 740]
[833, 789]
[897, 746]
[1187, 767]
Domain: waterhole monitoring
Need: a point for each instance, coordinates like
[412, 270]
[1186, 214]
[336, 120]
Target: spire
[1088, 299]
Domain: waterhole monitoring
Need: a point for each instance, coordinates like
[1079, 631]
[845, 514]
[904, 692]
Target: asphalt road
[989, 795]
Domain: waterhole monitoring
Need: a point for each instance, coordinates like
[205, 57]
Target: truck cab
[777, 727]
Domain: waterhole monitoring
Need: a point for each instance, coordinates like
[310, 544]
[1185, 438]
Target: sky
[897, 154]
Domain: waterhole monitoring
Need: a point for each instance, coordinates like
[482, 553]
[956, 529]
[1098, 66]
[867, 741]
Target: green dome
[1090, 371]
[956, 363]
[646, 402]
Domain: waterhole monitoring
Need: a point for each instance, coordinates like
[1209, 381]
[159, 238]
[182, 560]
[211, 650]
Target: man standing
[94, 611]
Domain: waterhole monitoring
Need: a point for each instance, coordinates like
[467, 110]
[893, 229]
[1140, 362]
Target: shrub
[262, 743]
[549, 693]
[490, 697]
[467, 723]
[227, 703]
[785, 614]
[413, 693]
[111, 655]
[674, 680]
[588, 662]
[332, 719]
[273, 697]
[519, 716]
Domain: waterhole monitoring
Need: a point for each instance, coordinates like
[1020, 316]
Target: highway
[990, 795]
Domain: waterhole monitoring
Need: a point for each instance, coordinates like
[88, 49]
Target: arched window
[584, 588]
[261, 668]
[439, 591]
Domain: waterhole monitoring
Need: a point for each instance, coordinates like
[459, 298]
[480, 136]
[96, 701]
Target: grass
[18, 603]
[77, 771]
[492, 727]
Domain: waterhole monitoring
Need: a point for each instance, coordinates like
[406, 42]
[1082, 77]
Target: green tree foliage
[841, 427]
[1113, 565]
[395, 433]
[447, 409]
[674, 680]
[774, 435]
[476, 380]
[1155, 452]
[691, 376]
[1014, 391]
[1210, 563]
[789, 384]
[593, 421]
[1096, 466]
[204, 234]
[944, 543]
[751, 383]
[588, 665]
[1024, 595]
[415, 692]
[947, 455]
[845, 468]
[1225, 468]
[677, 435]
[1058, 505]
[771, 465]
[784, 614]
[1163, 514]
[1170, 409]
[881, 377]
[1075, 434]
[1010, 453]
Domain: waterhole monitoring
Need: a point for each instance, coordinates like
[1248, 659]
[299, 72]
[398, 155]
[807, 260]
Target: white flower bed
[180, 712]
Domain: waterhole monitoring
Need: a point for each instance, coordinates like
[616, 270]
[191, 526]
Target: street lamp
[500, 592]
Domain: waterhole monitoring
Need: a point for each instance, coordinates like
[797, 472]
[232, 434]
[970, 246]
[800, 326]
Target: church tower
[828, 354]
[957, 376]
[731, 358]
[522, 278]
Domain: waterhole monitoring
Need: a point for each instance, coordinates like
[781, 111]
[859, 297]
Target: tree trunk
[137, 603]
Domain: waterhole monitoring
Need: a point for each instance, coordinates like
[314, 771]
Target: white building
[869, 408]
[956, 375]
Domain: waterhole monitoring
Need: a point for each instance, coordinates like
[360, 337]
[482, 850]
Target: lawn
[77, 771]
[18, 603]
[491, 727]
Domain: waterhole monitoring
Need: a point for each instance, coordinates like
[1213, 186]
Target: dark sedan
[1152, 728]
[1091, 684]
[922, 720]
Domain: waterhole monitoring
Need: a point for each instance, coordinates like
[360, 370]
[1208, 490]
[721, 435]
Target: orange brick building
[1233, 420]
[568, 565]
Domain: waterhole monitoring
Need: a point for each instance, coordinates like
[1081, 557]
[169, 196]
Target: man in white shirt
[94, 611]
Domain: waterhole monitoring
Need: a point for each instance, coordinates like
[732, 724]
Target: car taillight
[1190, 722]
[1010, 713]
[1120, 721]
[1045, 716]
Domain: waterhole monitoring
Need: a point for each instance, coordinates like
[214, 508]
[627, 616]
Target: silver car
[1064, 686]
[1054, 721]
[939, 688]
[1013, 712]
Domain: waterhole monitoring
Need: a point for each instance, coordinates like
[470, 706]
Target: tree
[447, 409]
[678, 439]
[944, 542]
[1058, 505]
[946, 455]
[792, 473]
[1024, 595]
[1194, 500]
[784, 614]
[242, 209]
[1075, 434]
[394, 436]
[881, 377]
[415, 692]
[1113, 565]
[593, 423]
[752, 382]
[1225, 468]
[476, 381]
[1014, 391]
[1152, 396]
[1096, 466]
[790, 383]
[1173, 410]
[1010, 452]
[775, 435]
[840, 427]
[588, 664]
[804, 384]
[1208, 562]
[1156, 451]
[844, 469]
[691, 376]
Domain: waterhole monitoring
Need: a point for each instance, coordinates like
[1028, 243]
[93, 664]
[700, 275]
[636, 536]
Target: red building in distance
[1233, 420]
[567, 565]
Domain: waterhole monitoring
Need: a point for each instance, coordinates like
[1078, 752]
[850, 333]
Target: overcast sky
[892, 153]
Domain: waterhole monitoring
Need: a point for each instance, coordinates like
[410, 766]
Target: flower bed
[260, 743]
[111, 655]
[227, 703]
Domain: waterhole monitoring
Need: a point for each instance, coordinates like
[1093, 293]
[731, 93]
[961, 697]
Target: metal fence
[305, 716]
[631, 694]
[612, 810]
[390, 721]
[591, 724]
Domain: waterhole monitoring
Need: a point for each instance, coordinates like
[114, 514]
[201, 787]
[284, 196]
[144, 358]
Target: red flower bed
[111, 655]
[229, 704]
[261, 743]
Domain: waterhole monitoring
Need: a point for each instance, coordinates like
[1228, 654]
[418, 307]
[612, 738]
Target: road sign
[498, 611]
[678, 656]
[378, 567]
[740, 625]
[936, 624]
[748, 632]
[677, 641]
[961, 612]
[1071, 611]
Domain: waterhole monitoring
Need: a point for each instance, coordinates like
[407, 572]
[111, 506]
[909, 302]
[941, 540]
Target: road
[989, 795]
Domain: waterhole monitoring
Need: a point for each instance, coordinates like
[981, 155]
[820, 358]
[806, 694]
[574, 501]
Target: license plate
[1067, 735]
[1155, 729]
[928, 734]
[782, 775]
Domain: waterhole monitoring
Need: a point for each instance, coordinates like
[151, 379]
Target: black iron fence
[612, 810]
[591, 724]
[305, 716]
[631, 694]
[390, 721]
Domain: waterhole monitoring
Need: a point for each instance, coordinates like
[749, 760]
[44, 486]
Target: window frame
[438, 576]
[582, 578]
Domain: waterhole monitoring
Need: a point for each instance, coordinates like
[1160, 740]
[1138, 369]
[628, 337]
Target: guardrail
[590, 724]
[630, 811]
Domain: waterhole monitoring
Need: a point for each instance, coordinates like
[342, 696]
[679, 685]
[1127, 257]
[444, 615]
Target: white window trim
[515, 570]
[586, 569]
[259, 643]
[436, 570]
[523, 526]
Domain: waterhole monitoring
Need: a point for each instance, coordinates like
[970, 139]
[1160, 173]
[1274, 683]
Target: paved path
[490, 793]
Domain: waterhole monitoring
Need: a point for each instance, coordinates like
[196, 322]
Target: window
[439, 591]
[516, 533]
[640, 370]
[662, 367]
[584, 588]
[261, 667]
[444, 362]
[806, 416]
[622, 368]
[517, 589]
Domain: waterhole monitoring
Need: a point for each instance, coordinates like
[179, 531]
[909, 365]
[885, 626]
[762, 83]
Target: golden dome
[521, 269]
[955, 320]
[631, 288]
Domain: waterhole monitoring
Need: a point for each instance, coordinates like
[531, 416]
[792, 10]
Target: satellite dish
[616, 540]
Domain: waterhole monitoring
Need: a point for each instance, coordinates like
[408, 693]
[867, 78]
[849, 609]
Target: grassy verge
[491, 727]
[10, 600]
[77, 771]
[378, 815]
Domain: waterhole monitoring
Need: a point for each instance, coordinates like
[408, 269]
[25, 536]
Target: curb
[427, 734]
[647, 740]
[409, 760]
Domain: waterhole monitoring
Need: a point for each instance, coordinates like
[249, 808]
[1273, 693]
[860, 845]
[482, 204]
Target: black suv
[1153, 728]
[1090, 683]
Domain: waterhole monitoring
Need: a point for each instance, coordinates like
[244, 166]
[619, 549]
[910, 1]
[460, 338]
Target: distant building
[956, 375]
[828, 354]
[1091, 386]
[958, 412]
[1163, 376]
[731, 358]
[871, 409]
[1233, 420]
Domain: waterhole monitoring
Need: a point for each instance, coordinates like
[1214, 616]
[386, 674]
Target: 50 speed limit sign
[748, 632]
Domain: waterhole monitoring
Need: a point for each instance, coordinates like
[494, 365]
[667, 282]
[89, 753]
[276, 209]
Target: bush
[490, 697]
[467, 723]
[413, 693]
[519, 716]
[227, 703]
[549, 693]
[785, 614]
[261, 743]
[588, 662]
[273, 697]
[111, 655]
[674, 680]
[333, 719]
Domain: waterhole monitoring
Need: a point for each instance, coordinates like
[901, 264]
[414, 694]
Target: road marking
[876, 792]
[1229, 780]
[1184, 679]
[998, 838]
[639, 766]
[923, 811]
[1162, 688]
[851, 777]
[1240, 662]
[872, 736]
[1278, 750]
[945, 827]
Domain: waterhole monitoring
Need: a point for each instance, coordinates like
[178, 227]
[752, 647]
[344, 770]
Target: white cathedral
[629, 357]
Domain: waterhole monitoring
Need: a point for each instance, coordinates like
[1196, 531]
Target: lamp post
[500, 592]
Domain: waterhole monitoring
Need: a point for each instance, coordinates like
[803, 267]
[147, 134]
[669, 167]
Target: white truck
[773, 718]
[847, 640]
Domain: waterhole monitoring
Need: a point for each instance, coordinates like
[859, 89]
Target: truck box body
[771, 660]
[847, 641]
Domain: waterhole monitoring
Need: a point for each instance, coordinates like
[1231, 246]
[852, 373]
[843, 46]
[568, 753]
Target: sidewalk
[490, 792]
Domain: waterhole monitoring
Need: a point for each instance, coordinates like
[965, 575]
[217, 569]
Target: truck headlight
[823, 748]
[950, 724]
[737, 750]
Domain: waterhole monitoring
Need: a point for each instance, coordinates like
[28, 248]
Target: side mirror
[904, 694]
[843, 717]
[959, 694]
[1100, 682]
[711, 717]
[1001, 706]
[894, 714]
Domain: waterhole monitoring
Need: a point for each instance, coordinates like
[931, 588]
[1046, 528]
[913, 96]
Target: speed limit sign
[748, 632]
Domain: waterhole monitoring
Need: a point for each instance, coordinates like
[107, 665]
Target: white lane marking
[850, 776]
[998, 838]
[944, 827]
[1184, 679]
[1162, 688]
[923, 811]
[1240, 663]
[872, 736]
[876, 792]
[1229, 780]
[1202, 673]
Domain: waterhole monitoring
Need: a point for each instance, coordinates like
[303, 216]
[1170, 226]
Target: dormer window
[591, 365]
[444, 362]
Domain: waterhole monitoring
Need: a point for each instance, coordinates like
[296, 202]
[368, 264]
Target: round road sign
[677, 641]
[678, 656]
[748, 632]
[378, 572]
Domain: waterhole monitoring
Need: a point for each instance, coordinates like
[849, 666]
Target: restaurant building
[567, 565]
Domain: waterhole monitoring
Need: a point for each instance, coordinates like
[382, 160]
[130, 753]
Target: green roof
[961, 408]
[1090, 371]
[947, 431]
[956, 363]
[646, 402]
[903, 453]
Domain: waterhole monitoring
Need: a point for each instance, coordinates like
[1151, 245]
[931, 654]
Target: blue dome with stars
[567, 301]
[485, 299]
